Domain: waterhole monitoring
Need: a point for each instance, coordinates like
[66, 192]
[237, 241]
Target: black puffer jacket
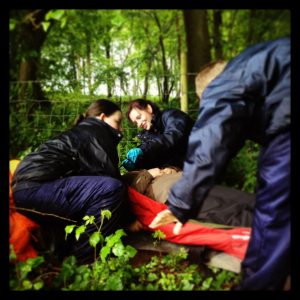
[249, 100]
[88, 148]
[166, 142]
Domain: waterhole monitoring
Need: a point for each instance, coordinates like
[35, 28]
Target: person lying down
[222, 206]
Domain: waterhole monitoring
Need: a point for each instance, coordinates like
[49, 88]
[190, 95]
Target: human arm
[166, 217]
[219, 132]
[170, 130]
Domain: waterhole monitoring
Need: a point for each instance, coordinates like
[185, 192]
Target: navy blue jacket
[250, 99]
[166, 141]
[88, 148]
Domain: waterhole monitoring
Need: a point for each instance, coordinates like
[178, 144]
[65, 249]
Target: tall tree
[217, 22]
[31, 39]
[198, 45]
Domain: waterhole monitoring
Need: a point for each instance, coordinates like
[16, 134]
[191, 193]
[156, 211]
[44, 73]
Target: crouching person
[73, 175]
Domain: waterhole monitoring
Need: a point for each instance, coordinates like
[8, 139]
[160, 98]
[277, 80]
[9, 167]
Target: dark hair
[142, 105]
[97, 108]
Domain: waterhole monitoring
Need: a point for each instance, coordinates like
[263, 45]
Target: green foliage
[158, 235]
[113, 270]
[241, 171]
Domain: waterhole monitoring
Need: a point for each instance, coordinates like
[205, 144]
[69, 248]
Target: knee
[117, 186]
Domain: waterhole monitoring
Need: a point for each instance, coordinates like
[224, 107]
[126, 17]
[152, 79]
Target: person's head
[105, 110]
[170, 170]
[207, 74]
[140, 112]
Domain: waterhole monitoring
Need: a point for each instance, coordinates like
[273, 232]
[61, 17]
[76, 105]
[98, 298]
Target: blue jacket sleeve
[218, 134]
[250, 99]
[176, 129]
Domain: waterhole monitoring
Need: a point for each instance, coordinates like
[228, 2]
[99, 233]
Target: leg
[267, 260]
[73, 198]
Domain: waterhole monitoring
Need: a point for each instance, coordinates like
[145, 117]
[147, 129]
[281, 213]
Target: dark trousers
[73, 198]
[267, 262]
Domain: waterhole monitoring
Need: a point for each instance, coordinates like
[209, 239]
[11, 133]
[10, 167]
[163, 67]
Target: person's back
[65, 155]
[72, 176]
[262, 75]
[250, 99]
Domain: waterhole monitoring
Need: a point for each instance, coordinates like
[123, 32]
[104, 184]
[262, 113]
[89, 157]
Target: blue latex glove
[133, 154]
[128, 165]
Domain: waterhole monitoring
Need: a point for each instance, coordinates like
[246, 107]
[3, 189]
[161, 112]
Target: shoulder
[173, 112]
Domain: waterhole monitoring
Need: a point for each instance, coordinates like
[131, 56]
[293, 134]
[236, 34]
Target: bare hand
[166, 217]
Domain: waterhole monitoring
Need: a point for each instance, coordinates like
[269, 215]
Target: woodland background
[61, 60]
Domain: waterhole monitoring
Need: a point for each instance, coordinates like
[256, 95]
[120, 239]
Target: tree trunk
[32, 36]
[198, 46]
[109, 84]
[88, 62]
[146, 80]
[252, 15]
[184, 82]
[217, 16]
[165, 91]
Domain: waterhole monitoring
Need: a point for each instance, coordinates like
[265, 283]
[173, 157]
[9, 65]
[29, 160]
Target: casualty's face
[142, 118]
[168, 171]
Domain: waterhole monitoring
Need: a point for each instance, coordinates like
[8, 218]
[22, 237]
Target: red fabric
[232, 241]
[20, 228]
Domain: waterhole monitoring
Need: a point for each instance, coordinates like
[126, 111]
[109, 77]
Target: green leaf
[207, 283]
[12, 24]
[114, 283]
[79, 231]
[152, 277]
[12, 254]
[55, 14]
[89, 220]
[45, 25]
[115, 237]
[27, 284]
[94, 239]
[118, 249]
[35, 262]
[131, 251]
[63, 22]
[158, 234]
[38, 285]
[105, 214]
[69, 229]
[104, 252]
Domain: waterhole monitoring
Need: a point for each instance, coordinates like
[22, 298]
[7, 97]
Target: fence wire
[44, 118]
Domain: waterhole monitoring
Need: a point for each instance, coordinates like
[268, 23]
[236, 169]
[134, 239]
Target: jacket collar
[156, 121]
[115, 134]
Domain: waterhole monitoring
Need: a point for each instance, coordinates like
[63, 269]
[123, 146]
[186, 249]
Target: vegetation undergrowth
[113, 269]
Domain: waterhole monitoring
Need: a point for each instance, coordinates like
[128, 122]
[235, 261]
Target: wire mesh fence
[32, 121]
